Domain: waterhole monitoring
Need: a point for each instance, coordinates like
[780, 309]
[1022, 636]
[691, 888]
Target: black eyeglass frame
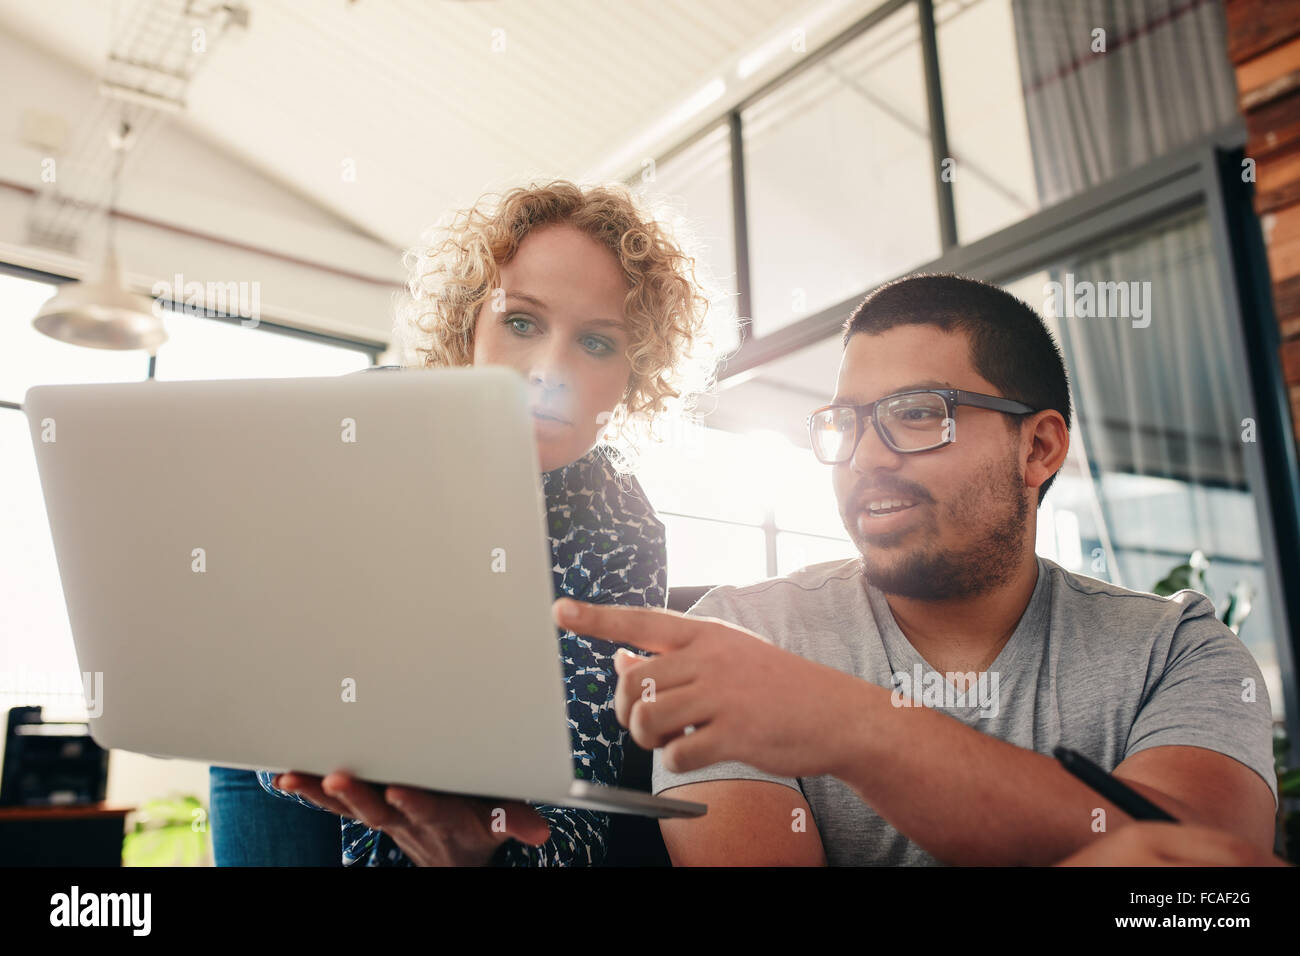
[952, 397]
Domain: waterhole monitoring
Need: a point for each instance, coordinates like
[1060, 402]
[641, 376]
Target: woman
[597, 307]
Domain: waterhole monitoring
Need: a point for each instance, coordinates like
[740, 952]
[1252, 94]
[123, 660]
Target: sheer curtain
[1160, 418]
[1156, 398]
[1163, 80]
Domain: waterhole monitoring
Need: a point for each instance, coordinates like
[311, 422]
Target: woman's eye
[520, 324]
[596, 345]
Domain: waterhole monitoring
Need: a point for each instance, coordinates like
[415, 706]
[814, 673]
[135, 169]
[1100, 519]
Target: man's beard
[988, 560]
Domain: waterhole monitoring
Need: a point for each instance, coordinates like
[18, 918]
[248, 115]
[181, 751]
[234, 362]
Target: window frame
[1206, 173]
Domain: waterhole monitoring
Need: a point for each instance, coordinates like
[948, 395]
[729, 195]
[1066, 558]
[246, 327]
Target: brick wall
[1264, 45]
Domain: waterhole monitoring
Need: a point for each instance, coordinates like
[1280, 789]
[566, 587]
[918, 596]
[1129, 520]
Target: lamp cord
[119, 145]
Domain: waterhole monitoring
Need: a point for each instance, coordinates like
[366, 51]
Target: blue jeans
[250, 827]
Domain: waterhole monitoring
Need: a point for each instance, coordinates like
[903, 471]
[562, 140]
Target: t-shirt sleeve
[1210, 693]
[715, 603]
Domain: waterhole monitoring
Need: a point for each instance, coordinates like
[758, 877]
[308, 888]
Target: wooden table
[86, 835]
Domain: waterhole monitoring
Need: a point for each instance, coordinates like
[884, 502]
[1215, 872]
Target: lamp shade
[101, 314]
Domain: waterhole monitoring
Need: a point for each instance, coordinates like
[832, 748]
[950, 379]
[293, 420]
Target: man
[902, 707]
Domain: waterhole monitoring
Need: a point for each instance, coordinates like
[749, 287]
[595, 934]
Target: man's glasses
[906, 422]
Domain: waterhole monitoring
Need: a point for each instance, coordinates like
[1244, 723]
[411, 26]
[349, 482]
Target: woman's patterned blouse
[608, 548]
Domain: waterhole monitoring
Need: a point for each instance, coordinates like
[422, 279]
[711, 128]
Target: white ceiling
[412, 93]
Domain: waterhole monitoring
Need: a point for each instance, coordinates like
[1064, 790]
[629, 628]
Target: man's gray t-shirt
[1097, 668]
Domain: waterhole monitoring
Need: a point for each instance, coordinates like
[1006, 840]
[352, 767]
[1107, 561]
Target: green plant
[171, 831]
[1191, 574]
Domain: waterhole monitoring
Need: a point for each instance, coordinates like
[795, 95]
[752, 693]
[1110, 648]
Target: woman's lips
[547, 421]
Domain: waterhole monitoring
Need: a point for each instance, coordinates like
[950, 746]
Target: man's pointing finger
[650, 629]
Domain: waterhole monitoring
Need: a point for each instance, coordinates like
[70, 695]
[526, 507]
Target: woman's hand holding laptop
[433, 829]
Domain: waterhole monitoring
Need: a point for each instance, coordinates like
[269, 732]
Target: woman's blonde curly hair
[456, 267]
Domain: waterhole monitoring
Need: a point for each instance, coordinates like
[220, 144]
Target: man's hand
[1147, 843]
[744, 698]
[431, 828]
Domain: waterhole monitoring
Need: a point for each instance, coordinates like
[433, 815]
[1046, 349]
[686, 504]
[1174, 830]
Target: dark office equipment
[50, 763]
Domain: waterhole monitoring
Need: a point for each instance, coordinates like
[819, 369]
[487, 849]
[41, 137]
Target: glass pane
[693, 190]
[770, 410]
[38, 665]
[709, 553]
[795, 551]
[806, 499]
[1045, 98]
[28, 357]
[204, 348]
[839, 176]
[988, 134]
[36, 652]
[704, 472]
[1156, 468]
[37, 659]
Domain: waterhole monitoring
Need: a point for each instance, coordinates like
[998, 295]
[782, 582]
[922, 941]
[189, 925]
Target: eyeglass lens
[912, 422]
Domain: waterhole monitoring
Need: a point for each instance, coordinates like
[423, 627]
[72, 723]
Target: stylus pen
[1126, 798]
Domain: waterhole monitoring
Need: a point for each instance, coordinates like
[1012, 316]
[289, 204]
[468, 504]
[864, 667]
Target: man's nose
[873, 453]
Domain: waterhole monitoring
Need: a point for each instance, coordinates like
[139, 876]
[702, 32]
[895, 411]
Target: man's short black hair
[1010, 345]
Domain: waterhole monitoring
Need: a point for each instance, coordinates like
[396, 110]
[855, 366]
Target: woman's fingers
[524, 823]
[496, 820]
[428, 825]
[431, 810]
[309, 787]
[363, 801]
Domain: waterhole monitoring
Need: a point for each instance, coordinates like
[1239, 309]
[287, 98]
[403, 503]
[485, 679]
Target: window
[839, 176]
[28, 357]
[745, 499]
[713, 552]
[204, 348]
[1046, 98]
[693, 191]
[38, 664]
[988, 134]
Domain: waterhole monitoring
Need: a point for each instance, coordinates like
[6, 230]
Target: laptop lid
[313, 574]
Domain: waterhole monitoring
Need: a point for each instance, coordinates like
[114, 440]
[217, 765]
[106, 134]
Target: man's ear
[1045, 444]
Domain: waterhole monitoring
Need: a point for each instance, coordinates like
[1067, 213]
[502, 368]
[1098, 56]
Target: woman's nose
[547, 371]
[543, 375]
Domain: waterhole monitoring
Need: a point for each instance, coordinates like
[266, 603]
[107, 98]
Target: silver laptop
[316, 574]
